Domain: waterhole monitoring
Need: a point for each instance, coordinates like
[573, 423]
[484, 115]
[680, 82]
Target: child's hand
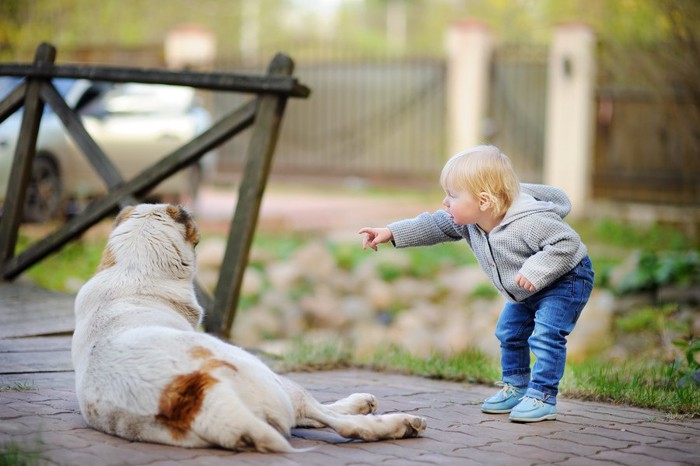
[375, 236]
[523, 282]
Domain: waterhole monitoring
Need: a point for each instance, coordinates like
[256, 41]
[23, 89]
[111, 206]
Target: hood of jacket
[536, 198]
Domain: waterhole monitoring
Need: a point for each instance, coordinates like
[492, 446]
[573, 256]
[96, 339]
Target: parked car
[134, 124]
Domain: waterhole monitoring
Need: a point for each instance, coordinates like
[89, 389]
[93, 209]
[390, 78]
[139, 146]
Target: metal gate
[517, 107]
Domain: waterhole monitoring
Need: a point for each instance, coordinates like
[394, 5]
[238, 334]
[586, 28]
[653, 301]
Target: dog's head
[153, 239]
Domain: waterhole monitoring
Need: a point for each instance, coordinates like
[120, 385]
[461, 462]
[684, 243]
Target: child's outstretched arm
[375, 236]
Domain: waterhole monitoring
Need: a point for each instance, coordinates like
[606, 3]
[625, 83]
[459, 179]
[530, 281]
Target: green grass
[654, 385]
[470, 366]
[77, 260]
[14, 454]
[18, 387]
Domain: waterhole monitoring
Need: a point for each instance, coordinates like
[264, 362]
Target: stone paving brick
[667, 451]
[629, 458]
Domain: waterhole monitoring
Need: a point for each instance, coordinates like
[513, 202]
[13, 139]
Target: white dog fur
[144, 372]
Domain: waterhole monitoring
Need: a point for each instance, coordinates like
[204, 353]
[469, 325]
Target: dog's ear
[182, 215]
[123, 215]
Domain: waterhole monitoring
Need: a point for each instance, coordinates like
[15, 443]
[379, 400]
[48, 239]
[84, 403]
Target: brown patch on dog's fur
[123, 215]
[181, 401]
[200, 352]
[181, 215]
[108, 259]
[211, 363]
[191, 313]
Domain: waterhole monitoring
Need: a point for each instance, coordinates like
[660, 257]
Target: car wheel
[43, 197]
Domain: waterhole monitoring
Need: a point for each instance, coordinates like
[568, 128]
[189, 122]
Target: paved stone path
[39, 413]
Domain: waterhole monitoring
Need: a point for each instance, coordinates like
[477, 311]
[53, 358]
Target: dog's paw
[414, 425]
[361, 403]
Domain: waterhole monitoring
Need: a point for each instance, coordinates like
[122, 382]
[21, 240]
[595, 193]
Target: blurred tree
[312, 29]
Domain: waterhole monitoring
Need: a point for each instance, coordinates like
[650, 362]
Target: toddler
[534, 259]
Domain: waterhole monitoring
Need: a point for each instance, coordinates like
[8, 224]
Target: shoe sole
[548, 417]
[495, 411]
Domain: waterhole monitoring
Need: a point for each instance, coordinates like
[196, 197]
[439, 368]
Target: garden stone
[207, 278]
[367, 337]
[315, 260]
[283, 276]
[408, 290]
[379, 293]
[253, 281]
[593, 332]
[322, 309]
[461, 281]
[356, 308]
[253, 325]
[210, 253]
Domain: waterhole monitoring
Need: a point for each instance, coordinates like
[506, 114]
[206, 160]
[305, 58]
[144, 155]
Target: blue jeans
[541, 323]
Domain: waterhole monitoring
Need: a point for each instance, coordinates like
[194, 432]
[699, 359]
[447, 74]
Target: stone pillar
[570, 113]
[469, 48]
[190, 47]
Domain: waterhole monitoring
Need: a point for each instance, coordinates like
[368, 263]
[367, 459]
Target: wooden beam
[12, 102]
[258, 163]
[95, 155]
[24, 155]
[257, 84]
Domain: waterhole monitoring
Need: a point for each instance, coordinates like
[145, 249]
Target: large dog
[144, 372]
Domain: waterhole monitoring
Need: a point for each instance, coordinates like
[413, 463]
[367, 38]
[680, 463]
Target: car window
[140, 99]
[9, 83]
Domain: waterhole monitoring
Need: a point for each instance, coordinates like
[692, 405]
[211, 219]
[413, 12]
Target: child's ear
[485, 201]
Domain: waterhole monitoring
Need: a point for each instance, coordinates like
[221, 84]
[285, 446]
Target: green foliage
[656, 269]
[655, 237]
[687, 370]
[280, 247]
[346, 255]
[484, 291]
[360, 30]
[646, 319]
[427, 261]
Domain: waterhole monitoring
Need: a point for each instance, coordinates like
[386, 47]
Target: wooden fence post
[260, 150]
[24, 155]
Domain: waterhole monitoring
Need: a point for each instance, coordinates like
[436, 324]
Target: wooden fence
[263, 114]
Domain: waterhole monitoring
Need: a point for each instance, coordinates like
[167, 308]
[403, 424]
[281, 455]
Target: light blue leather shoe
[503, 401]
[533, 410]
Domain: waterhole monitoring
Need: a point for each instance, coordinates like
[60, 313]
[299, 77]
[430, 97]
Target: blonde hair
[482, 169]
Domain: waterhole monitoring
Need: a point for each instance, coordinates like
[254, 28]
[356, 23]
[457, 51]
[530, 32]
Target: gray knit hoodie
[532, 239]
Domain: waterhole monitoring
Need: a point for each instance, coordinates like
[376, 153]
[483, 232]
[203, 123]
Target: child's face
[463, 207]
